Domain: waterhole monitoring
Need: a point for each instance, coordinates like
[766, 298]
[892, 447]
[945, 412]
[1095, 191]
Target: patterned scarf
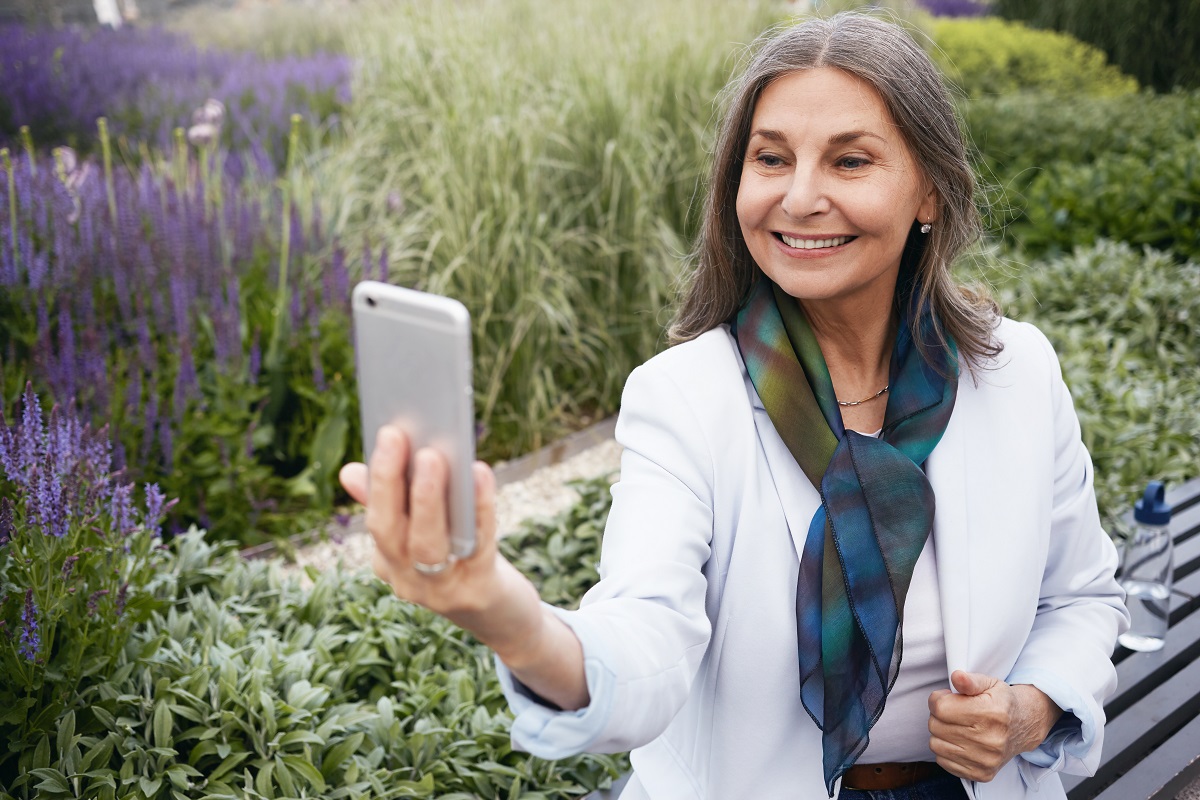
[876, 510]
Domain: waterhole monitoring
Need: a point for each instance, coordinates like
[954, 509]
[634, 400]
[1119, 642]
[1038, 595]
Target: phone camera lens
[371, 302]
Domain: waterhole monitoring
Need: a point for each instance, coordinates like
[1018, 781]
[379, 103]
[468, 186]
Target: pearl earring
[926, 227]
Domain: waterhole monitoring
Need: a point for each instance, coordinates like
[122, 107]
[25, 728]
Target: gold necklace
[880, 393]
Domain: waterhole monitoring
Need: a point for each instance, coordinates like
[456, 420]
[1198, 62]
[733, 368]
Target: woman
[855, 546]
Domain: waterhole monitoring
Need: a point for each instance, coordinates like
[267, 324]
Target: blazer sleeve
[643, 627]
[1081, 606]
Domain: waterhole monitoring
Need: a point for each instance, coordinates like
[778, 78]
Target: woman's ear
[930, 206]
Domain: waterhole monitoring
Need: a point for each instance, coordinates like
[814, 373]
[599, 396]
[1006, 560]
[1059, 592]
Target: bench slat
[1142, 728]
[1163, 773]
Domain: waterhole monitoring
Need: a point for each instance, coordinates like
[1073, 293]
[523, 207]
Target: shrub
[1126, 324]
[79, 567]
[250, 685]
[1019, 135]
[1153, 202]
[989, 56]
[1156, 41]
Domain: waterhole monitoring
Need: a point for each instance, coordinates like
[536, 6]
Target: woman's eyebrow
[849, 136]
[769, 135]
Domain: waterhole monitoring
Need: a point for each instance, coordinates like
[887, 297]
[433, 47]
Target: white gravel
[542, 493]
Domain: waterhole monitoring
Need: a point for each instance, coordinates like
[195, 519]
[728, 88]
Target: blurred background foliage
[541, 163]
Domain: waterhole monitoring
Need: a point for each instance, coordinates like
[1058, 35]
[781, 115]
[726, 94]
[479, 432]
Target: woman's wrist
[1038, 715]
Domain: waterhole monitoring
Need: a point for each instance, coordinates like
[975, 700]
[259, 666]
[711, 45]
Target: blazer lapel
[947, 469]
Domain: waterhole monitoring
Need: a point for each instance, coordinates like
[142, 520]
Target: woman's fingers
[485, 509]
[353, 477]
[429, 533]
[387, 493]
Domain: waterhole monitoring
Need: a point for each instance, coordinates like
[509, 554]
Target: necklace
[880, 393]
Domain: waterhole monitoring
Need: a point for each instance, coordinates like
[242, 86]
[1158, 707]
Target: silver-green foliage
[539, 161]
[253, 686]
[1126, 325]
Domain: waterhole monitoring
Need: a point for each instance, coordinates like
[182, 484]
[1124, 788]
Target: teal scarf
[876, 510]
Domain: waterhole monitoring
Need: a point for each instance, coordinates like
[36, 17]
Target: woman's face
[829, 189]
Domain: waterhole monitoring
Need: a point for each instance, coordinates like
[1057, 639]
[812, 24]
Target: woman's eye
[852, 162]
[769, 160]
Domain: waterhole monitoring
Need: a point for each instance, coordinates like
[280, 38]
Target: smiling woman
[831, 566]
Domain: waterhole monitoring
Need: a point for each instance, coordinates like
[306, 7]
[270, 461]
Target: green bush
[249, 685]
[1126, 325]
[1153, 202]
[1156, 41]
[1018, 135]
[986, 56]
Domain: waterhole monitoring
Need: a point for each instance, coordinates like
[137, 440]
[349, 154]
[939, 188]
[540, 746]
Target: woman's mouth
[814, 244]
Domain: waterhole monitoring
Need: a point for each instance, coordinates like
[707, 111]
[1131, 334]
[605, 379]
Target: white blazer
[689, 638]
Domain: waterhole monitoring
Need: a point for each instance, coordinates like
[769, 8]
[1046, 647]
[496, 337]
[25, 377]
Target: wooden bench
[1152, 737]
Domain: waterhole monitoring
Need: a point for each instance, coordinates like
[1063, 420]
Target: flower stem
[12, 203]
[106, 149]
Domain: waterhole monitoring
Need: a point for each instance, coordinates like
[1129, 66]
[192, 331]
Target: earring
[926, 227]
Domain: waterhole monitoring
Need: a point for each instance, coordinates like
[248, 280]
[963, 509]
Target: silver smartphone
[413, 355]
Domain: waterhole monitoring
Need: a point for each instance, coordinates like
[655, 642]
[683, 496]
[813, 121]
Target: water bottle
[1147, 570]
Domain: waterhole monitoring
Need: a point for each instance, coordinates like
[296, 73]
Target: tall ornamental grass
[548, 158]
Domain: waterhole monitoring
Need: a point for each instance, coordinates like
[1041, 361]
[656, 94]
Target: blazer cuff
[1073, 737]
[541, 728]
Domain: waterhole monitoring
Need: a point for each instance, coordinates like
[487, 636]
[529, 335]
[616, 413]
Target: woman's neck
[858, 352]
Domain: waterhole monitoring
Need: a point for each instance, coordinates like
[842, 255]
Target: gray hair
[883, 55]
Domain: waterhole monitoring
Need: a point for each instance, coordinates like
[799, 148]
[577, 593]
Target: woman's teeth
[814, 244]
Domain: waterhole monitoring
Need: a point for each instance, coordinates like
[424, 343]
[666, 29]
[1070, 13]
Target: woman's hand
[482, 593]
[976, 732]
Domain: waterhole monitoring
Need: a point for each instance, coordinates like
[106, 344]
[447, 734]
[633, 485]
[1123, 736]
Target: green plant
[987, 56]
[1125, 322]
[79, 567]
[1156, 41]
[250, 686]
[1154, 201]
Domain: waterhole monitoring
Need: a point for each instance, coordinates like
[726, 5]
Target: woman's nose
[805, 194]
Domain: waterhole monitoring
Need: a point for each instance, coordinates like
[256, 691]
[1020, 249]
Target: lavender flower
[156, 505]
[93, 601]
[121, 509]
[31, 637]
[68, 566]
[122, 596]
[7, 527]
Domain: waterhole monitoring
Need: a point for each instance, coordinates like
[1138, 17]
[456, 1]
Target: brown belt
[892, 775]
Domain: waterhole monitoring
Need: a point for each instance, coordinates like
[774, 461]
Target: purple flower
[7, 527]
[31, 434]
[31, 637]
[121, 509]
[122, 595]
[156, 505]
[94, 601]
[69, 566]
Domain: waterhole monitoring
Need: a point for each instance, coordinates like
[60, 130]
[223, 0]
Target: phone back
[413, 353]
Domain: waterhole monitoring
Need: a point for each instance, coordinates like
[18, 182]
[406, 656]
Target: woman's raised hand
[482, 593]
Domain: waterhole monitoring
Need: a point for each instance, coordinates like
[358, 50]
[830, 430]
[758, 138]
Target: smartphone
[413, 356]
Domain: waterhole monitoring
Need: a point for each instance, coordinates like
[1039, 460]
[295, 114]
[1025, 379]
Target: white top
[902, 731]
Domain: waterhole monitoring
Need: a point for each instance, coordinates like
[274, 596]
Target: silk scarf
[876, 509]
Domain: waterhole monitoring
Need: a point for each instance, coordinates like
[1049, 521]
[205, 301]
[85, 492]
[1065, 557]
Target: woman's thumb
[972, 683]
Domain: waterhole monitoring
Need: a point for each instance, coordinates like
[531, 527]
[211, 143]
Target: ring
[433, 569]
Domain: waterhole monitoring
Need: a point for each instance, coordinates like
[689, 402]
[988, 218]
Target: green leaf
[66, 731]
[51, 780]
[150, 786]
[305, 770]
[341, 751]
[163, 723]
